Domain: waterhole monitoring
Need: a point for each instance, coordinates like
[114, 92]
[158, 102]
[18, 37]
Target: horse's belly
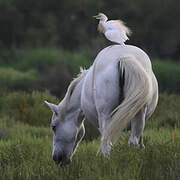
[107, 89]
[87, 100]
[99, 97]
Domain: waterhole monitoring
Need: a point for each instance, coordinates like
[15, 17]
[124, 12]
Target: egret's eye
[53, 128]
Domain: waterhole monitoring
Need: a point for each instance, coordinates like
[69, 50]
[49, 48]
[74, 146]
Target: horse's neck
[75, 100]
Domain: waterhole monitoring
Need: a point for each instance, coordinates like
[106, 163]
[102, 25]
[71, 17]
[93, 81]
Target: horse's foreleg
[141, 144]
[137, 128]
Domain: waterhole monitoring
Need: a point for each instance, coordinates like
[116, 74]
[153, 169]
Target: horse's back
[111, 55]
[102, 84]
[116, 52]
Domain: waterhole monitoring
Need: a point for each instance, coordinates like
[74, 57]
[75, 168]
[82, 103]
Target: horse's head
[68, 129]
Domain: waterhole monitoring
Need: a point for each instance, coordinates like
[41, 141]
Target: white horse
[118, 88]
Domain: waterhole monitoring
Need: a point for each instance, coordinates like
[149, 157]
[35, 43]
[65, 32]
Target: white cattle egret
[114, 30]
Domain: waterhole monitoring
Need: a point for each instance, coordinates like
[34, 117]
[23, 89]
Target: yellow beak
[95, 16]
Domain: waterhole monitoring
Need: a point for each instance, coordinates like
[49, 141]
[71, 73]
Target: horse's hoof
[133, 142]
[142, 146]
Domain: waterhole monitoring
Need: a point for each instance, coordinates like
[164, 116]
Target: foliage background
[42, 45]
[68, 24]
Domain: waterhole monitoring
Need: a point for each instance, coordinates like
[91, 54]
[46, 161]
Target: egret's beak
[95, 16]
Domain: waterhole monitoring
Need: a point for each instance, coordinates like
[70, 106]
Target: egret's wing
[122, 27]
[115, 35]
[117, 31]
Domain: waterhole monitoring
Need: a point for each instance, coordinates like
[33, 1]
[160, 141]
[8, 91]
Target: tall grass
[26, 154]
[26, 145]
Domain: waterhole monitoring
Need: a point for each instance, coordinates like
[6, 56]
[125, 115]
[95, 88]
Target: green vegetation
[168, 75]
[14, 79]
[26, 144]
[69, 24]
[42, 46]
[53, 69]
[26, 138]
[27, 108]
[41, 69]
[167, 113]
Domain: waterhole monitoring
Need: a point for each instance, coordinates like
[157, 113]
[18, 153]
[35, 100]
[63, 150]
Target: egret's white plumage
[114, 30]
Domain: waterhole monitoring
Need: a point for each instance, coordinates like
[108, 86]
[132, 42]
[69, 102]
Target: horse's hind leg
[104, 119]
[141, 144]
[137, 128]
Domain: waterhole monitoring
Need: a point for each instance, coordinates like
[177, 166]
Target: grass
[25, 149]
[26, 138]
[26, 154]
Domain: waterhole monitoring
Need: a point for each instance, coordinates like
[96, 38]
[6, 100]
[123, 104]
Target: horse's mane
[74, 82]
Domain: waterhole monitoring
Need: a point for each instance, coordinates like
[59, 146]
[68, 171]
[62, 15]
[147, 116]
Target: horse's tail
[137, 88]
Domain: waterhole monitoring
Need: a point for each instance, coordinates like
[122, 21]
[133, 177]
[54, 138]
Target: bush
[53, 69]
[11, 79]
[41, 69]
[168, 75]
[39, 59]
[167, 112]
[27, 107]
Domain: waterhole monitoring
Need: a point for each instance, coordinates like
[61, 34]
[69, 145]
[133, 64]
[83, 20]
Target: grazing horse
[118, 88]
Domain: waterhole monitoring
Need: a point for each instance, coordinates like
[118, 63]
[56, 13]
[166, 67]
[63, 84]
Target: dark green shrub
[168, 75]
[11, 79]
[27, 107]
[167, 113]
[53, 69]
[39, 58]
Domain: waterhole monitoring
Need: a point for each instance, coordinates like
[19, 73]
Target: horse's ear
[53, 107]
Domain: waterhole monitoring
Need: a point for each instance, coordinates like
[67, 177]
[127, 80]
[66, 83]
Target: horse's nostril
[60, 158]
[54, 157]
[57, 158]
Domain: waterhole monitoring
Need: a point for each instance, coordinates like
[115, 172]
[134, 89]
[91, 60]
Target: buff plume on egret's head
[101, 16]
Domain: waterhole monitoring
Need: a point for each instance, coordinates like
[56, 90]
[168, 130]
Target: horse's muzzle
[61, 159]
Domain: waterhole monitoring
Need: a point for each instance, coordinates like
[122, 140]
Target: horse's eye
[53, 128]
